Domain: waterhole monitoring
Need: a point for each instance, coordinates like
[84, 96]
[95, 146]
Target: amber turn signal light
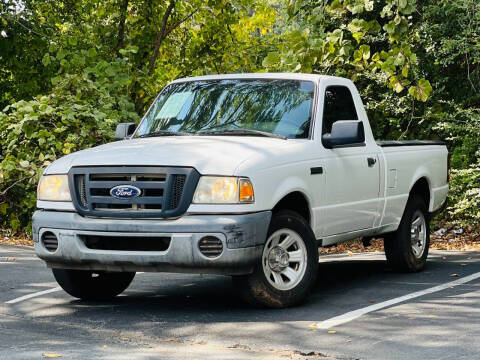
[246, 191]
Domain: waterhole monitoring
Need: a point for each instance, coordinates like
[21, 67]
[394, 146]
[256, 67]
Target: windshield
[281, 107]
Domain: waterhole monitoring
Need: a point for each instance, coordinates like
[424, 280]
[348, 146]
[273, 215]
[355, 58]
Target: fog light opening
[210, 246]
[50, 241]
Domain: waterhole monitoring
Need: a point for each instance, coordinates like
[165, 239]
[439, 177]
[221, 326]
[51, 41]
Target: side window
[338, 106]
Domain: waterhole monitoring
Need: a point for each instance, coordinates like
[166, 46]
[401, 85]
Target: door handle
[316, 170]
[371, 162]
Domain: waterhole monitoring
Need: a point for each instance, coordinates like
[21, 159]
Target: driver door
[352, 171]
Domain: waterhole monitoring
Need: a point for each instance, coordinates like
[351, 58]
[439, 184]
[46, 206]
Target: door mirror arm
[124, 130]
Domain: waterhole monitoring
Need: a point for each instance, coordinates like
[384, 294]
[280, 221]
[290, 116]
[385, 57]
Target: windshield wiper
[247, 132]
[165, 133]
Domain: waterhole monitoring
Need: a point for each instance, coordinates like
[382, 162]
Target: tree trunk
[121, 25]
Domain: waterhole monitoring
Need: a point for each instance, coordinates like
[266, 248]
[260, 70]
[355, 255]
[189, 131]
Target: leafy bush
[81, 112]
[464, 196]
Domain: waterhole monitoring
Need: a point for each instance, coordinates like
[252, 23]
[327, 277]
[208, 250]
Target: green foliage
[449, 33]
[464, 196]
[416, 64]
[353, 38]
[71, 70]
[81, 112]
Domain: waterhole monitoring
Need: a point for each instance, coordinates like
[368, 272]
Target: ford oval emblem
[125, 191]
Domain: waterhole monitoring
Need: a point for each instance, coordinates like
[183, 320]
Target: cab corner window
[338, 106]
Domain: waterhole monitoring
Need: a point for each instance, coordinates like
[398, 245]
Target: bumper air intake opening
[126, 243]
[50, 241]
[210, 246]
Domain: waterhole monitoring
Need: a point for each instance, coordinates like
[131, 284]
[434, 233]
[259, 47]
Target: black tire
[398, 245]
[256, 289]
[92, 285]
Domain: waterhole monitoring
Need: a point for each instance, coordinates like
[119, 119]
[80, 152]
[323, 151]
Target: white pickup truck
[243, 175]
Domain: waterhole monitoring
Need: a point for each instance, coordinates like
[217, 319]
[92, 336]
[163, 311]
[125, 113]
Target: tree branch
[173, 27]
[409, 122]
[4, 192]
[161, 34]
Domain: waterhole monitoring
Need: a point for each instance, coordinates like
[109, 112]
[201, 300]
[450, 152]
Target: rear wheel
[93, 285]
[407, 248]
[288, 268]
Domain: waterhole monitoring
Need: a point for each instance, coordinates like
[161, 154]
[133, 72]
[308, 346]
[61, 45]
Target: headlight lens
[53, 188]
[224, 190]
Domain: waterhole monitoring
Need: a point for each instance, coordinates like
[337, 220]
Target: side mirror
[124, 130]
[344, 133]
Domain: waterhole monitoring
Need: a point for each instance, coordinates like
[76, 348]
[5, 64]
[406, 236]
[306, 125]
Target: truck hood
[208, 154]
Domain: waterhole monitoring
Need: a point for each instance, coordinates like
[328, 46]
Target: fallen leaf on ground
[468, 241]
[51, 355]
[239, 346]
[313, 325]
[172, 340]
[372, 301]
[454, 275]
[20, 240]
[432, 316]
[332, 331]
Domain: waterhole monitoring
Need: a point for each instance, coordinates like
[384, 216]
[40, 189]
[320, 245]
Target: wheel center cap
[278, 259]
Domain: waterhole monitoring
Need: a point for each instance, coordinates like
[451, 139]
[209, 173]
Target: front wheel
[92, 285]
[288, 268]
[407, 248]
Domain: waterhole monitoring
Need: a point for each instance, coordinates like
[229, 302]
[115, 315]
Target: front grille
[126, 243]
[82, 193]
[177, 189]
[50, 241]
[163, 191]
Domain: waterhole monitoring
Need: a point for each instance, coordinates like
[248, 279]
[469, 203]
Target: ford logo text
[125, 192]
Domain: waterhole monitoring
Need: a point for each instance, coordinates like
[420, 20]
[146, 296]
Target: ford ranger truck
[243, 175]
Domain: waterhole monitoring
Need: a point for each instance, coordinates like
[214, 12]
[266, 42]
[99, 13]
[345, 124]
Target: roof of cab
[285, 76]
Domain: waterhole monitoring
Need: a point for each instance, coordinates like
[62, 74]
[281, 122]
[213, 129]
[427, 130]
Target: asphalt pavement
[177, 316]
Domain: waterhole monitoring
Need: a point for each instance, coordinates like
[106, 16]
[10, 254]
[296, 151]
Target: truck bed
[391, 143]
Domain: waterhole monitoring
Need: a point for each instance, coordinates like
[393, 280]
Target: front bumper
[242, 237]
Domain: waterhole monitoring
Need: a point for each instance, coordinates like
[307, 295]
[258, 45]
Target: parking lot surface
[177, 316]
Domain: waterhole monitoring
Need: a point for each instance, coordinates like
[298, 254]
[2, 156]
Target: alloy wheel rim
[284, 259]
[418, 234]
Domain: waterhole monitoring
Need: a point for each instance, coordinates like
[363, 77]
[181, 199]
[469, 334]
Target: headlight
[224, 190]
[53, 188]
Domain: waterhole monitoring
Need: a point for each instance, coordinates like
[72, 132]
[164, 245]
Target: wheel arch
[295, 201]
[422, 188]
